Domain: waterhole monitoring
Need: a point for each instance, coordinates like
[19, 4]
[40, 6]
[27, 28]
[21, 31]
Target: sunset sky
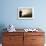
[26, 11]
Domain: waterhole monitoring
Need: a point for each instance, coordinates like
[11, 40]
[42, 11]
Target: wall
[8, 13]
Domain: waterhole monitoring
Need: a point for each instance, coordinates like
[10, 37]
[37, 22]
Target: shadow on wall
[2, 26]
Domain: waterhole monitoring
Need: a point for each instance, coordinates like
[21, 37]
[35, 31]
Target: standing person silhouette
[20, 13]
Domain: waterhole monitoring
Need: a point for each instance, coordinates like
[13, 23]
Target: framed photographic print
[25, 13]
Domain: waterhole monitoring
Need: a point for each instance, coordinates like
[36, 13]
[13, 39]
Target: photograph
[25, 13]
